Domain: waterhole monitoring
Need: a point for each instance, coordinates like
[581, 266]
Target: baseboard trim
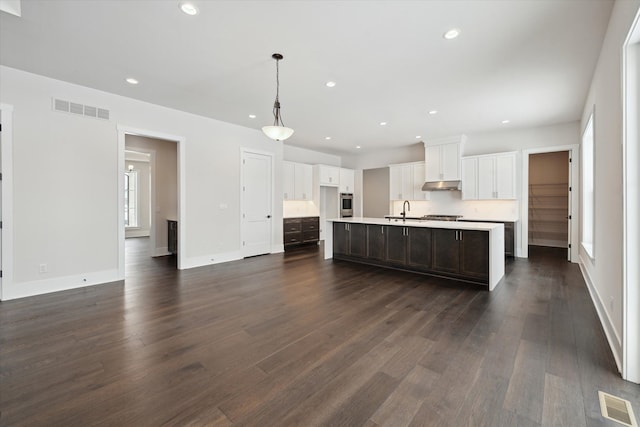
[615, 343]
[56, 284]
[163, 251]
[136, 233]
[201, 261]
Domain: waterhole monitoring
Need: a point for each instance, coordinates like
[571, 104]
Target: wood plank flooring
[294, 340]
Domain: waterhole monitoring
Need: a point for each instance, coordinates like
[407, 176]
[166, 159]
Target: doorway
[549, 208]
[257, 202]
[6, 198]
[631, 200]
[573, 179]
[166, 181]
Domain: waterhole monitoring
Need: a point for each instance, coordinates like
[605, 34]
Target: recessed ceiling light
[358, 147]
[383, 123]
[504, 122]
[330, 84]
[327, 138]
[451, 34]
[432, 112]
[418, 137]
[252, 116]
[132, 81]
[188, 8]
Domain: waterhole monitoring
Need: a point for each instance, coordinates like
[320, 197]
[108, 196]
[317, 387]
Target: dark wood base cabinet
[457, 254]
[509, 235]
[298, 231]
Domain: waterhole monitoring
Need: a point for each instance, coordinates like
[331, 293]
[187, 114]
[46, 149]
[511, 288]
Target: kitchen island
[468, 251]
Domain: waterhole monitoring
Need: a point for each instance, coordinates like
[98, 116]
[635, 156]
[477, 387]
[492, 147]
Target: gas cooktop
[442, 217]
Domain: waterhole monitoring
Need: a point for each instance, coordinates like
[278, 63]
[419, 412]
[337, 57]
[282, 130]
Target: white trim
[631, 212]
[605, 320]
[182, 229]
[243, 151]
[574, 170]
[211, 259]
[6, 116]
[56, 284]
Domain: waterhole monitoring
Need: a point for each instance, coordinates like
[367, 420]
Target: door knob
[268, 216]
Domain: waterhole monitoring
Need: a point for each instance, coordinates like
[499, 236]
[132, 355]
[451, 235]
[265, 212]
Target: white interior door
[256, 203]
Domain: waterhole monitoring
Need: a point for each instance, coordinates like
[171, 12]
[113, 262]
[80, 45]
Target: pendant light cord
[277, 121]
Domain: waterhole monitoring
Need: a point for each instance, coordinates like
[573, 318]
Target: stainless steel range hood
[442, 186]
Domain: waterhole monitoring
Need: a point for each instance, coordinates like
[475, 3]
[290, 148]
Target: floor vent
[80, 109]
[617, 409]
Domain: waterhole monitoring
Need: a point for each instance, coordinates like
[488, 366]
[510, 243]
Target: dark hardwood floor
[292, 339]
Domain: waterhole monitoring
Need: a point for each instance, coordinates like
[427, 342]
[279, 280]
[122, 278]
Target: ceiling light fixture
[418, 137]
[278, 131]
[451, 34]
[252, 116]
[432, 112]
[131, 81]
[330, 84]
[504, 122]
[327, 138]
[188, 8]
[358, 147]
[383, 123]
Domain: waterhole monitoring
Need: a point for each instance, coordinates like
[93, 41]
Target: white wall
[604, 274]
[74, 228]
[302, 155]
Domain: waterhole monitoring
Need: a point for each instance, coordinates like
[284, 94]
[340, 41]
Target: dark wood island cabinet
[461, 252]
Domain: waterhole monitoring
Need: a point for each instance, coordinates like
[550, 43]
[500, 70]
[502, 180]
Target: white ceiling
[528, 61]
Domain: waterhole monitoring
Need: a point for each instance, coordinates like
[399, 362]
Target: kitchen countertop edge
[479, 226]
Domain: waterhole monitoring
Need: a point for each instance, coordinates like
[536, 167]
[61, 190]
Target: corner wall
[604, 273]
[75, 232]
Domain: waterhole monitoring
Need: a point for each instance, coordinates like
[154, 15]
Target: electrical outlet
[42, 268]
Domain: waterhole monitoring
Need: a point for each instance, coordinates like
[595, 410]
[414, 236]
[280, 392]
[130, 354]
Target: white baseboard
[136, 233]
[45, 286]
[612, 335]
[162, 251]
[276, 249]
[192, 262]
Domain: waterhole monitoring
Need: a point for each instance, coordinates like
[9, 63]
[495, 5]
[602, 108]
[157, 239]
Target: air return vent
[617, 409]
[80, 109]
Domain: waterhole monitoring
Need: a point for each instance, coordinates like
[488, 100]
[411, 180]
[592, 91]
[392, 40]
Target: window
[131, 198]
[588, 194]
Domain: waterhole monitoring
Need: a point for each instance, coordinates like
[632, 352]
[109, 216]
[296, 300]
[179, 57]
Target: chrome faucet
[404, 213]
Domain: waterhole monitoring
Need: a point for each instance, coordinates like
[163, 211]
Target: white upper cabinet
[347, 180]
[329, 175]
[297, 181]
[443, 159]
[470, 178]
[405, 182]
[288, 180]
[418, 182]
[489, 177]
[304, 181]
[506, 176]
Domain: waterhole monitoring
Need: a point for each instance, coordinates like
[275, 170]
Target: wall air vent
[80, 109]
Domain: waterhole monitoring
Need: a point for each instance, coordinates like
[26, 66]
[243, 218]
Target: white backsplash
[451, 203]
[297, 208]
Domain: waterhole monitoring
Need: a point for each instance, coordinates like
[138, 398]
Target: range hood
[442, 186]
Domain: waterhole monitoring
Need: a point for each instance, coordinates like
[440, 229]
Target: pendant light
[278, 131]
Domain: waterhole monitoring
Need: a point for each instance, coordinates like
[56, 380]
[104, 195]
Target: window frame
[588, 190]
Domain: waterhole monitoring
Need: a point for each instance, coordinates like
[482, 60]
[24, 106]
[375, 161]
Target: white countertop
[479, 219]
[479, 226]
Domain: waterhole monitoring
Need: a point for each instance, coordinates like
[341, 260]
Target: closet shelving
[548, 212]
